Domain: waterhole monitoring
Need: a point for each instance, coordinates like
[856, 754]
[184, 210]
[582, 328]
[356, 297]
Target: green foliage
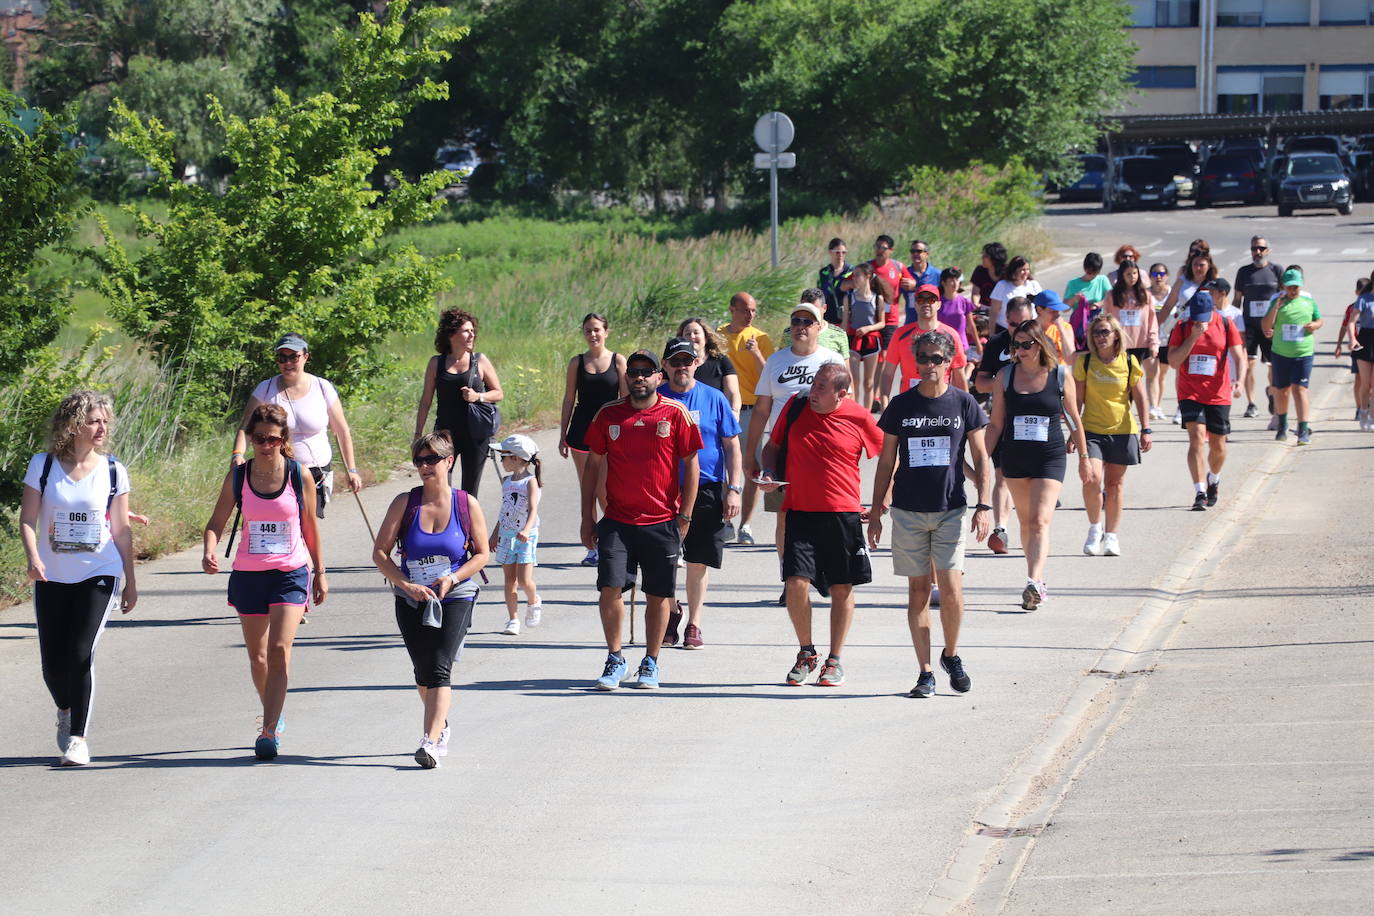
[298, 239]
[979, 198]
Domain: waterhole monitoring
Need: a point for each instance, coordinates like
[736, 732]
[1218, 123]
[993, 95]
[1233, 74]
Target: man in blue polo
[720, 472]
[922, 272]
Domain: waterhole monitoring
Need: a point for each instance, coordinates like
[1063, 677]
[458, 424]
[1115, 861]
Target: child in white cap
[516, 536]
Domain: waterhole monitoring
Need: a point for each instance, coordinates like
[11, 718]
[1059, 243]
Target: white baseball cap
[520, 446]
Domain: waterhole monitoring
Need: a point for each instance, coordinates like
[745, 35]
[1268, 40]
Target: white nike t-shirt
[786, 374]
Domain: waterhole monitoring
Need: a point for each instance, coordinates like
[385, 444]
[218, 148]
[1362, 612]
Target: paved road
[728, 792]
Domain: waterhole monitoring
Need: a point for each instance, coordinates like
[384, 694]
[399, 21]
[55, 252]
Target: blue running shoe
[266, 747]
[648, 674]
[616, 669]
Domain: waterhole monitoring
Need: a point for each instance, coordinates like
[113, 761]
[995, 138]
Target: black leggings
[71, 616]
[432, 649]
[472, 460]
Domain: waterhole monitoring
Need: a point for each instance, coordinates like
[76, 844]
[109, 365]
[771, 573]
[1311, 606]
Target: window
[1165, 77]
[1149, 14]
[1340, 87]
[1347, 12]
[1259, 90]
[1263, 12]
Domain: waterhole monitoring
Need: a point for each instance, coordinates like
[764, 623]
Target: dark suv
[1135, 182]
[1229, 177]
[1315, 181]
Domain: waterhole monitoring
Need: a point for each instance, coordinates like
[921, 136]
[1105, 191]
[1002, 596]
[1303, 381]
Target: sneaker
[958, 677]
[729, 532]
[745, 538]
[1304, 437]
[1212, 490]
[832, 674]
[681, 562]
[1092, 547]
[674, 618]
[425, 755]
[614, 673]
[1281, 435]
[1156, 413]
[77, 752]
[1177, 418]
[691, 638]
[512, 627]
[935, 596]
[1269, 395]
[997, 541]
[1110, 546]
[925, 685]
[1033, 595]
[806, 663]
[267, 746]
[648, 674]
[592, 558]
[1361, 416]
[534, 614]
[1251, 411]
[1200, 502]
[1273, 422]
[441, 746]
[64, 729]
[782, 598]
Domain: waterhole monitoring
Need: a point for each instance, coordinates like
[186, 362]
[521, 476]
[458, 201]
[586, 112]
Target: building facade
[1252, 56]
[19, 20]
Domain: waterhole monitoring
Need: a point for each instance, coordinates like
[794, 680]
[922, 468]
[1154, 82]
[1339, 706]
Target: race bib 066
[76, 531]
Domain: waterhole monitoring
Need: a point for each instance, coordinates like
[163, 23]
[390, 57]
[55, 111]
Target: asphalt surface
[1180, 728]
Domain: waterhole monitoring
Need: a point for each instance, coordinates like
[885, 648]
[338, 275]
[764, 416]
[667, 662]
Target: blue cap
[1201, 306]
[1049, 299]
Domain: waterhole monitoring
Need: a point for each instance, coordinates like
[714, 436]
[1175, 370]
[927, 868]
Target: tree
[296, 242]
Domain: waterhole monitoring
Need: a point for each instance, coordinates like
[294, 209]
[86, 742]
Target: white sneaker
[1110, 546]
[77, 754]
[1156, 413]
[935, 596]
[512, 627]
[64, 729]
[425, 756]
[441, 746]
[1273, 421]
[1092, 547]
[533, 614]
[1177, 418]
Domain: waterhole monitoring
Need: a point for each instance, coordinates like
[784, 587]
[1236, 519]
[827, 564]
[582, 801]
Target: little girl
[516, 536]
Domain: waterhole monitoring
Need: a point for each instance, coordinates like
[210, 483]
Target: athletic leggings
[71, 617]
[472, 461]
[432, 649]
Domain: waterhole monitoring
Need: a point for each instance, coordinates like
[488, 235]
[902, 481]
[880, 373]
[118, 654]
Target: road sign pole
[773, 133]
[773, 207]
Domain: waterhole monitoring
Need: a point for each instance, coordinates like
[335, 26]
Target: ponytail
[538, 476]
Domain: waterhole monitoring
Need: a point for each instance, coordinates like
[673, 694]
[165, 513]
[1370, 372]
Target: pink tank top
[271, 536]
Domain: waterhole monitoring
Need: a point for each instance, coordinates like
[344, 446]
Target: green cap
[1292, 277]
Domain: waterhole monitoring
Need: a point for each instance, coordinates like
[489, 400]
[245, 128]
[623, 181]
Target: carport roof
[1207, 127]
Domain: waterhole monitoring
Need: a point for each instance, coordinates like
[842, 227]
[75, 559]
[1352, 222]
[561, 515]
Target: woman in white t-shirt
[312, 409]
[1016, 281]
[74, 522]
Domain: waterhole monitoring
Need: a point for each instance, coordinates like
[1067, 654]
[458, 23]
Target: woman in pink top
[279, 547]
[1130, 304]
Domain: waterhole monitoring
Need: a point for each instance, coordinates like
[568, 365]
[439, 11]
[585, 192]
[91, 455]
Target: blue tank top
[428, 556]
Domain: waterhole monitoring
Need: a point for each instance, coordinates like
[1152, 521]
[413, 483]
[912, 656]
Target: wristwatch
[736, 489]
[982, 507]
[1147, 431]
[684, 518]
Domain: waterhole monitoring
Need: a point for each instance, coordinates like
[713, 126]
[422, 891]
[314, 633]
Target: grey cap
[292, 341]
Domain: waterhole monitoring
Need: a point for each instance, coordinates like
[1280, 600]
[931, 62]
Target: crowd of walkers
[996, 383]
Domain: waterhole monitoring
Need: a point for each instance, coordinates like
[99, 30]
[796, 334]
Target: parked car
[1182, 161]
[1315, 181]
[1277, 165]
[1230, 177]
[1252, 147]
[1135, 182]
[1362, 175]
[1089, 185]
[1319, 143]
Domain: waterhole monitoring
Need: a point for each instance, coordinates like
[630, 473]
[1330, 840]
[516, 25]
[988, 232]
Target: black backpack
[293, 473]
[47, 469]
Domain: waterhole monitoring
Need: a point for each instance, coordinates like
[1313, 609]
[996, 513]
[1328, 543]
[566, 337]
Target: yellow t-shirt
[746, 366]
[1107, 406]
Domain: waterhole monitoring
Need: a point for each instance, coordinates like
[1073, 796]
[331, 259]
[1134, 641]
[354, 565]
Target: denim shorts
[510, 549]
[252, 592]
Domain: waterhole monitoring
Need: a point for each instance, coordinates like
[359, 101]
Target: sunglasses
[681, 362]
[641, 372]
[803, 322]
[289, 357]
[1259, 247]
[1104, 332]
[927, 300]
[267, 440]
[928, 359]
[1022, 344]
[920, 251]
[427, 461]
[1159, 273]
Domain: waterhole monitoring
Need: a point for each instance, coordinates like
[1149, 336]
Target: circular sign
[774, 132]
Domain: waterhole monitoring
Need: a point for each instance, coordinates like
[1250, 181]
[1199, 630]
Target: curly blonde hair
[75, 409]
[714, 344]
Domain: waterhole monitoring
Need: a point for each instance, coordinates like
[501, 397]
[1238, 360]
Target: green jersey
[1289, 337]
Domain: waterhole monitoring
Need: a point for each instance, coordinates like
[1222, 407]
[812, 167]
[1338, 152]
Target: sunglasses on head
[1022, 344]
[267, 440]
[804, 322]
[640, 371]
[428, 461]
[928, 359]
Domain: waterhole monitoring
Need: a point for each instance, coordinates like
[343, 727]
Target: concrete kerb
[985, 867]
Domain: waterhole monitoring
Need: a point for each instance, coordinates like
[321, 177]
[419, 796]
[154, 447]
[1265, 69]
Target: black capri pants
[71, 616]
[432, 649]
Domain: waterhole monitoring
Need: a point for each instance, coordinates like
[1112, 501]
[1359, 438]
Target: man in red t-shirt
[901, 355]
[898, 278]
[1198, 347]
[815, 450]
[639, 443]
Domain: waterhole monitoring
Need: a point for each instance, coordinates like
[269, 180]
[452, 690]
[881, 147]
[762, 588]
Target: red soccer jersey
[892, 272]
[642, 449]
[823, 454]
[899, 352]
[1205, 376]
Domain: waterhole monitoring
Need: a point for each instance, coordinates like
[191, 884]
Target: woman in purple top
[956, 309]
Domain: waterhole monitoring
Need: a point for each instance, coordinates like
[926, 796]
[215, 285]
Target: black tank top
[451, 411]
[1022, 409]
[594, 389]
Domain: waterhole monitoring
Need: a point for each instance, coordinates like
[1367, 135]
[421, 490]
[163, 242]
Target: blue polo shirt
[930, 275]
[711, 411]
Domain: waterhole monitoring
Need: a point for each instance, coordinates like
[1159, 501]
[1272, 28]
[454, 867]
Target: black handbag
[484, 417]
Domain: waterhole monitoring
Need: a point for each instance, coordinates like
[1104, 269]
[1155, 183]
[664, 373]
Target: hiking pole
[366, 522]
[632, 615]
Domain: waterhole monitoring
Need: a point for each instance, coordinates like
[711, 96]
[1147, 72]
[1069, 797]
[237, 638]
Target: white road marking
[1306, 251]
[1353, 250]
[1164, 254]
[1086, 225]
[1298, 869]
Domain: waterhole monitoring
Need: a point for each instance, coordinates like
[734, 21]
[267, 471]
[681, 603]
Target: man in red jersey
[815, 450]
[638, 443]
[901, 355]
[898, 278]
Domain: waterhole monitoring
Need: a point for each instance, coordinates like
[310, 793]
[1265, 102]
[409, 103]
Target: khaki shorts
[917, 537]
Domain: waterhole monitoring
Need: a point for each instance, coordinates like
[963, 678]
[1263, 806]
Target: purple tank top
[428, 556]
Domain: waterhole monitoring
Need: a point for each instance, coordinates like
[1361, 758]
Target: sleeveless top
[594, 390]
[451, 412]
[515, 505]
[1033, 419]
[271, 528]
[427, 556]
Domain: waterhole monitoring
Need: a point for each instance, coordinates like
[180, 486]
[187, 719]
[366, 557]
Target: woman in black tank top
[1028, 399]
[595, 378]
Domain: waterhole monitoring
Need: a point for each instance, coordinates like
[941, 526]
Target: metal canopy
[1140, 128]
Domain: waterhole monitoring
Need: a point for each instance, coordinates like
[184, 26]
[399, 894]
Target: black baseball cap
[678, 345]
[645, 355]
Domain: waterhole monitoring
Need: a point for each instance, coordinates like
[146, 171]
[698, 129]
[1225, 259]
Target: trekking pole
[632, 615]
[370, 532]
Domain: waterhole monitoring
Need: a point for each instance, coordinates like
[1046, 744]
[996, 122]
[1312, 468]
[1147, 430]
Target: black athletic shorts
[1365, 338]
[622, 549]
[1163, 355]
[1256, 342]
[1121, 448]
[1217, 417]
[826, 548]
[705, 541]
[887, 332]
[1140, 353]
